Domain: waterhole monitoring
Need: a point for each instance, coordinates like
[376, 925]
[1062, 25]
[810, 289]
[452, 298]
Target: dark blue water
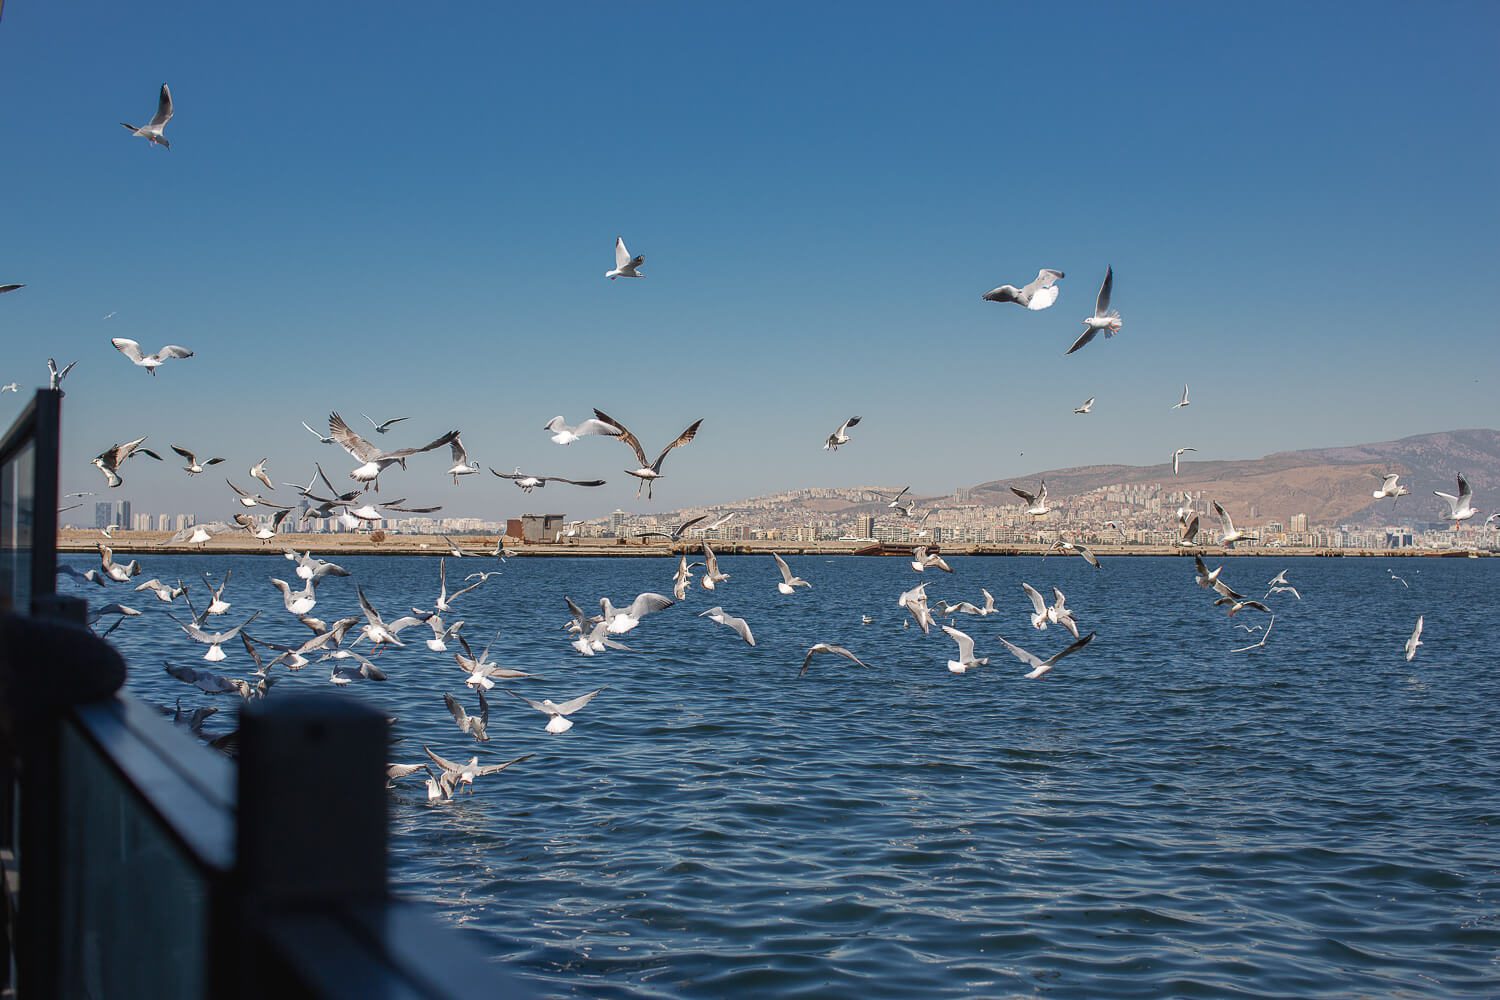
[1157, 817]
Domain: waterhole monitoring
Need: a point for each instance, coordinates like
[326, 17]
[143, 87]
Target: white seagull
[152, 130]
[711, 575]
[563, 434]
[622, 620]
[1087, 407]
[1177, 457]
[1461, 507]
[298, 602]
[915, 603]
[1390, 487]
[1184, 401]
[1104, 317]
[375, 461]
[385, 426]
[1415, 639]
[558, 721]
[461, 465]
[1231, 534]
[840, 436]
[110, 459]
[738, 625]
[213, 640]
[827, 647]
[1038, 294]
[922, 560]
[626, 266]
[966, 657]
[789, 583]
[648, 472]
[1038, 665]
[474, 725]
[56, 375]
[193, 466]
[526, 482]
[1036, 503]
[150, 362]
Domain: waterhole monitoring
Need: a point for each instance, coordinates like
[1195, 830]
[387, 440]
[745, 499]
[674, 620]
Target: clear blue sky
[409, 210]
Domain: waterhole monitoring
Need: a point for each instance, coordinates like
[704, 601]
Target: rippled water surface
[1159, 816]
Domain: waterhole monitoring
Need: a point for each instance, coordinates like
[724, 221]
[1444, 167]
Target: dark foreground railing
[139, 863]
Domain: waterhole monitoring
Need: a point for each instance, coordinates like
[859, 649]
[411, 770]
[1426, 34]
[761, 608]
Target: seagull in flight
[738, 625]
[563, 434]
[558, 721]
[1231, 534]
[966, 658]
[1461, 507]
[676, 533]
[152, 130]
[1415, 639]
[193, 466]
[1177, 457]
[1038, 294]
[461, 465]
[254, 499]
[150, 362]
[915, 603]
[474, 725]
[1184, 401]
[527, 482]
[1087, 407]
[922, 560]
[9, 288]
[213, 640]
[375, 460]
[840, 436]
[711, 575]
[1263, 637]
[56, 375]
[1065, 546]
[789, 583]
[648, 472]
[452, 775]
[11, 387]
[1039, 667]
[321, 438]
[1104, 317]
[1390, 487]
[626, 266]
[892, 502]
[110, 460]
[827, 647]
[383, 427]
[1036, 503]
[622, 620]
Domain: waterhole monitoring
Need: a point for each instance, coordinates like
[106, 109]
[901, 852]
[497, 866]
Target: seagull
[217, 605]
[383, 428]
[789, 583]
[56, 375]
[676, 533]
[444, 603]
[207, 681]
[1116, 526]
[622, 620]
[110, 459]
[892, 502]
[1230, 534]
[164, 592]
[840, 436]
[252, 500]
[1038, 665]
[461, 465]
[321, 438]
[712, 527]
[1258, 645]
[1209, 579]
[443, 786]
[343, 674]
[309, 568]
[652, 471]
[1189, 533]
[559, 721]
[626, 266]
[481, 669]
[965, 651]
[1184, 401]
[11, 387]
[375, 461]
[1087, 407]
[1063, 545]
[1039, 616]
[9, 288]
[258, 471]
[265, 532]
[825, 647]
[563, 434]
[1177, 457]
[297, 602]
[1284, 590]
[1036, 503]
[395, 772]
[213, 640]
[1461, 507]
[1397, 579]
[94, 576]
[921, 560]
[1104, 317]
[915, 602]
[199, 534]
[527, 483]
[377, 629]
[474, 725]
[1389, 487]
[739, 625]
[1236, 606]
[152, 130]
[683, 579]
[150, 362]
[194, 466]
[441, 634]
[1039, 294]
[1415, 640]
[711, 575]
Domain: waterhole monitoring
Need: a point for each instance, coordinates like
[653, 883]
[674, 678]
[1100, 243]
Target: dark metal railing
[138, 862]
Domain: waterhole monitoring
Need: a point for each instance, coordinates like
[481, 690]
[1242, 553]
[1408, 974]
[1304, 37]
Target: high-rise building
[104, 514]
[617, 522]
[865, 526]
[164, 522]
[1299, 523]
[140, 522]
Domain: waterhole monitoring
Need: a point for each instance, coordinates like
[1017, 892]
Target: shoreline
[482, 546]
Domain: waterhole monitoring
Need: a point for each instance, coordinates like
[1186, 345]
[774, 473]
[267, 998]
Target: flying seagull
[1231, 534]
[375, 460]
[789, 583]
[321, 438]
[194, 466]
[1063, 545]
[1036, 503]
[825, 647]
[527, 482]
[966, 658]
[626, 266]
[474, 725]
[1390, 487]
[446, 783]
[152, 130]
[738, 625]
[9, 288]
[1087, 407]
[56, 375]
[1038, 665]
[1039, 294]
[622, 620]
[711, 575]
[1415, 640]
[110, 460]
[563, 434]
[922, 560]
[461, 465]
[150, 362]
[1461, 507]
[1177, 457]
[647, 471]
[840, 436]
[558, 712]
[1104, 317]
[383, 427]
[1258, 645]
[676, 533]
[1184, 401]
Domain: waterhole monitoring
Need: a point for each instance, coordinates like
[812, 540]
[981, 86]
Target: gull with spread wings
[527, 482]
[375, 461]
[648, 471]
[1104, 317]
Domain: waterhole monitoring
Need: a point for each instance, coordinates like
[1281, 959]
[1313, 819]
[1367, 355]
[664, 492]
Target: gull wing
[534, 704]
[1101, 306]
[573, 705]
[841, 651]
[682, 439]
[1029, 659]
[1004, 293]
[647, 603]
[624, 435]
[368, 608]
[351, 442]
[1030, 498]
[192, 459]
[446, 765]
[174, 351]
[1224, 517]
[457, 711]
[1075, 647]
[622, 256]
[1464, 491]
[1038, 602]
[965, 643]
[786, 571]
[497, 768]
[448, 438]
[1045, 278]
[1083, 341]
[574, 482]
[163, 109]
[460, 457]
[130, 348]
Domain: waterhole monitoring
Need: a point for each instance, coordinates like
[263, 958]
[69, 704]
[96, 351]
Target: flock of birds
[333, 642]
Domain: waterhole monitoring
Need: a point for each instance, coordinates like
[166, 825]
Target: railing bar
[207, 770]
[333, 962]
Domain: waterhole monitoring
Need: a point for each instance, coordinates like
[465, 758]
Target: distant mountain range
[1329, 485]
